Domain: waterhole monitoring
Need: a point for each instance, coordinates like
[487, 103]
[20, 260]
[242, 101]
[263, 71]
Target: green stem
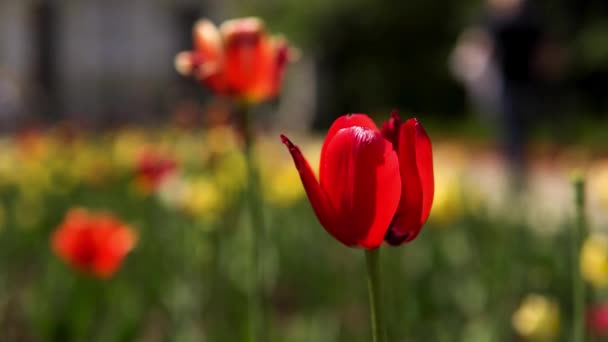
[374, 284]
[254, 199]
[578, 286]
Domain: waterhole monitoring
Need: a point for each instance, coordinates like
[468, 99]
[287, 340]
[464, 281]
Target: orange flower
[95, 243]
[238, 60]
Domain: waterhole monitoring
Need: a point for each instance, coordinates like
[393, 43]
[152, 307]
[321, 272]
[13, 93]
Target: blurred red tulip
[597, 320]
[95, 243]
[152, 168]
[413, 146]
[238, 60]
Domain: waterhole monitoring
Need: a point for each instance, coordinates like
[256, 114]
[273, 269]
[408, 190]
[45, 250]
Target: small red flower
[152, 168]
[95, 243]
[413, 146]
[597, 320]
[238, 60]
[372, 186]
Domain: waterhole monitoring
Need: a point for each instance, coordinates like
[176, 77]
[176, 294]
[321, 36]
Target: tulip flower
[372, 185]
[95, 243]
[413, 146]
[597, 319]
[238, 60]
[152, 168]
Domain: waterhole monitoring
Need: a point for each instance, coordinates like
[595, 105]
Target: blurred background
[106, 62]
[512, 93]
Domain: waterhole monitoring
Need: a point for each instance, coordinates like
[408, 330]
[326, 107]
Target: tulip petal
[205, 59]
[345, 121]
[65, 240]
[209, 56]
[115, 241]
[360, 176]
[390, 129]
[424, 161]
[318, 199]
[205, 62]
[271, 69]
[248, 54]
[207, 40]
[282, 55]
[416, 166]
[184, 63]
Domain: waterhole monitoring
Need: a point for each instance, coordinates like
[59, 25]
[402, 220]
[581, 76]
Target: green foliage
[460, 280]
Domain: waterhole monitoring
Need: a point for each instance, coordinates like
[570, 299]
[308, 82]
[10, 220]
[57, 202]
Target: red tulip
[152, 168]
[361, 187]
[238, 60]
[95, 243]
[597, 320]
[413, 146]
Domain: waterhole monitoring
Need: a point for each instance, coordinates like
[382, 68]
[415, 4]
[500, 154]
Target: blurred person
[516, 31]
[473, 64]
[506, 63]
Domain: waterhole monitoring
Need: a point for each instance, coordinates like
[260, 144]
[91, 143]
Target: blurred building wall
[102, 60]
[14, 64]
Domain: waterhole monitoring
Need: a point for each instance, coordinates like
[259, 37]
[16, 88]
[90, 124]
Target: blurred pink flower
[597, 319]
[152, 168]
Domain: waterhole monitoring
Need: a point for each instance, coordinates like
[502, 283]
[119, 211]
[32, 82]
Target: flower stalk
[374, 284]
[578, 235]
[256, 216]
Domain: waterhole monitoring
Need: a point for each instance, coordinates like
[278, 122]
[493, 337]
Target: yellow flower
[126, 147]
[33, 179]
[597, 196]
[447, 204]
[598, 180]
[537, 318]
[280, 180]
[283, 187]
[594, 260]
[203, 199]
[85, 163]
